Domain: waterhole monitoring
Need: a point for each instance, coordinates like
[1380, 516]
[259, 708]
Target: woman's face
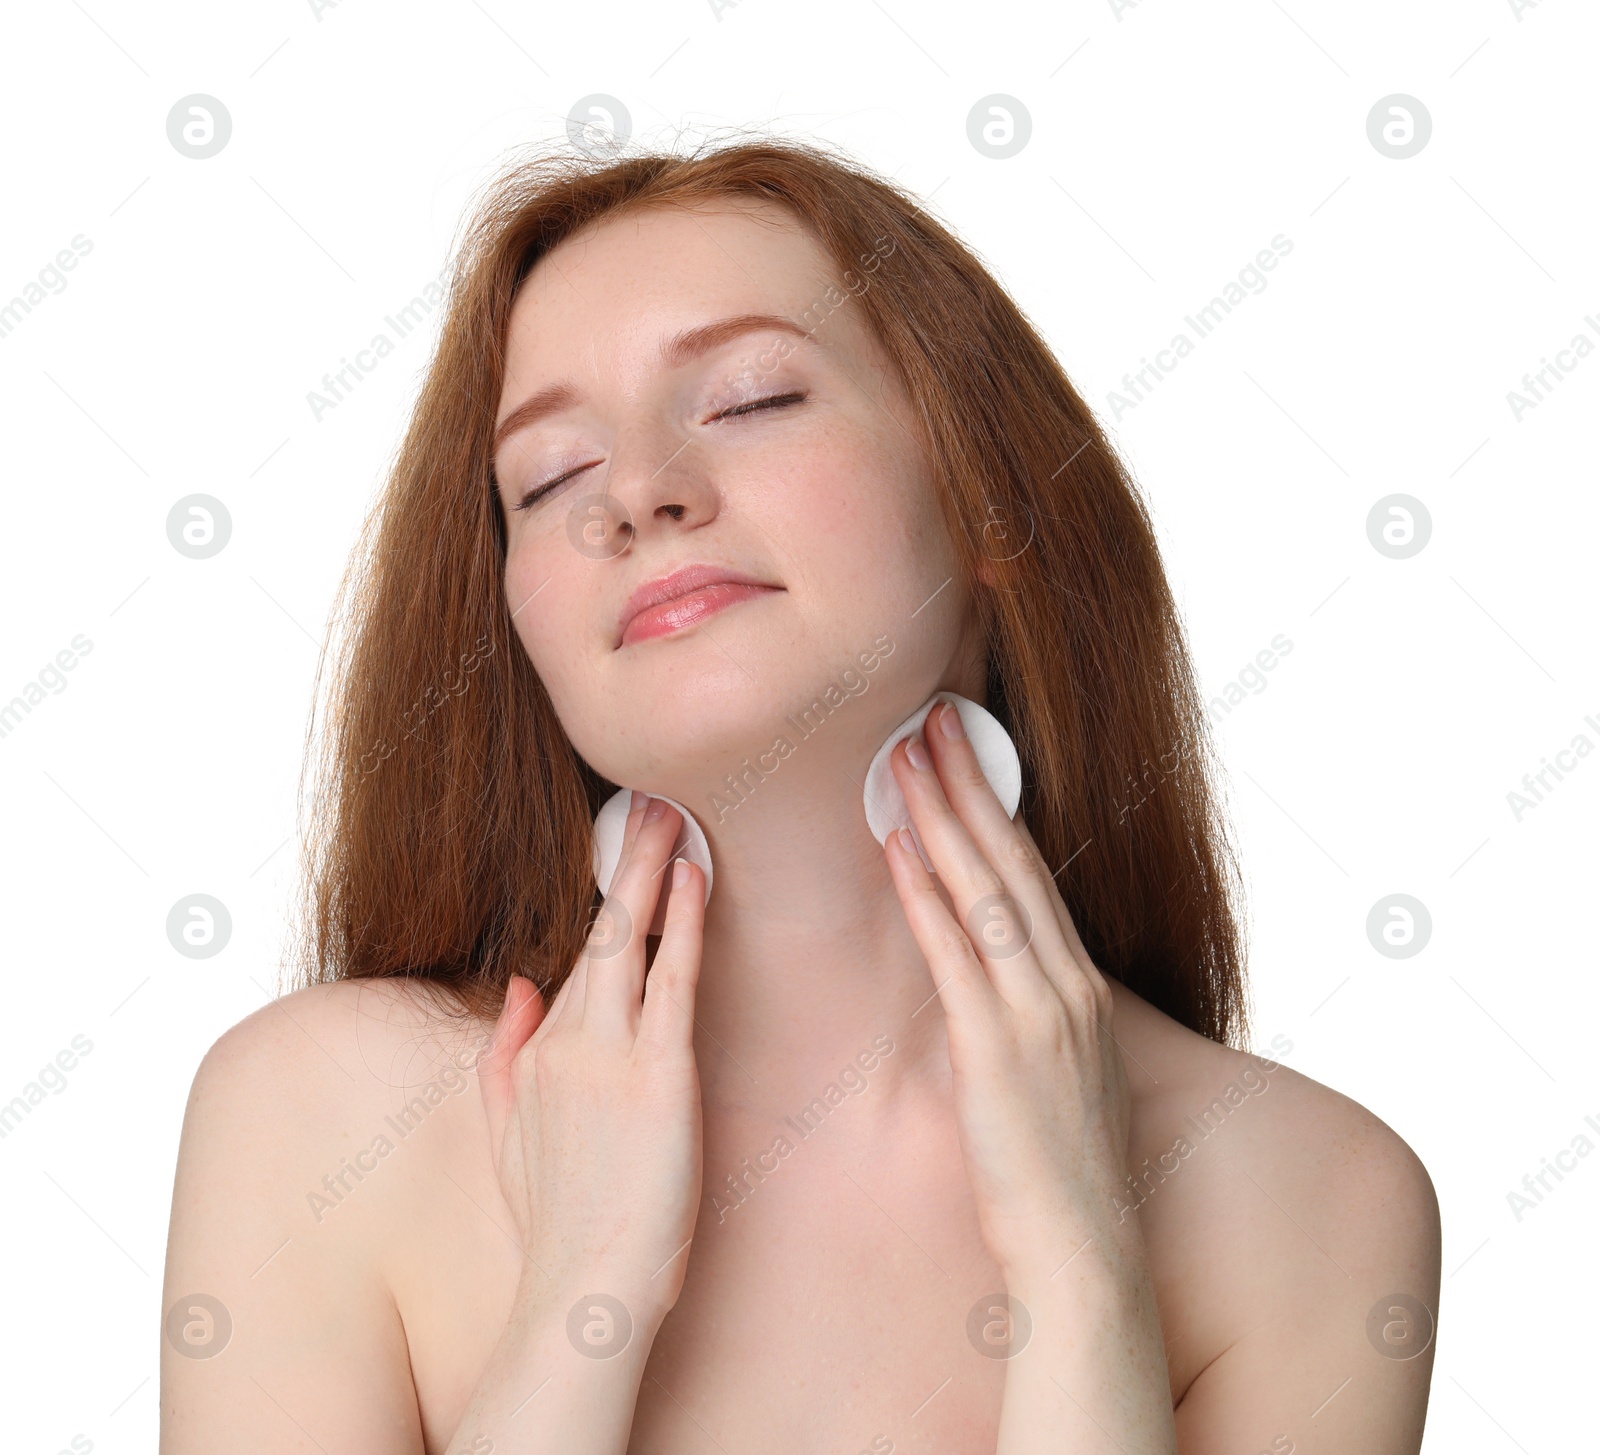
[681, 439]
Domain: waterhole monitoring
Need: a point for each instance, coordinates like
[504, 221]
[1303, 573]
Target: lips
[683, 597]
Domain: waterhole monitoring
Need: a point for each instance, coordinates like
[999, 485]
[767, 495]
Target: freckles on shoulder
[1281, 1155]
[1227, 1136]
[1264, 1196]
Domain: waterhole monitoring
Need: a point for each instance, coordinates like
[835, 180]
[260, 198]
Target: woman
[724, 467]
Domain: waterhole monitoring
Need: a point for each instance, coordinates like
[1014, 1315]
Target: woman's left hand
[1040, 1089]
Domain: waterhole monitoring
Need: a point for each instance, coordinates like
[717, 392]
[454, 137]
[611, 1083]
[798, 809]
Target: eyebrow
[676, 351]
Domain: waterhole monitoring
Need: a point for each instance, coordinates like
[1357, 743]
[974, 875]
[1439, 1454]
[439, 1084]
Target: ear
[986, 571]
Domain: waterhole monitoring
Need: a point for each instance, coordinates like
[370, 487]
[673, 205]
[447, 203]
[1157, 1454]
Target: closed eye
[775, 401]
[533, 495]
[772, 402]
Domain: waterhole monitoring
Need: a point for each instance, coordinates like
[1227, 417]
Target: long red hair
[449, 833]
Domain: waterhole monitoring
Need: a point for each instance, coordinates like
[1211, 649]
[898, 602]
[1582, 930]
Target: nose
[656, 483]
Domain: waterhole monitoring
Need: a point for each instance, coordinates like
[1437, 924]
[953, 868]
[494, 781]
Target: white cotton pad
[611, 823]
[997, 756]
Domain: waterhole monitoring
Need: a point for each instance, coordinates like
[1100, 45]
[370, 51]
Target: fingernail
[907, 843]
[658, 806]
[918, 753]
[680, 874]
[636, 802]
[950, 721]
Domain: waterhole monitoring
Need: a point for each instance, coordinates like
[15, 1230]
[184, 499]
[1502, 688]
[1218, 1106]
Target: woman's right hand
[594, 1108]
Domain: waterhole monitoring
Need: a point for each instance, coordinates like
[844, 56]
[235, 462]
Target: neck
[808, 961]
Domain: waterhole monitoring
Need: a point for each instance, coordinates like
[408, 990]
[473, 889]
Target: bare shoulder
[1282, 1131]
[323, 1083]
[384, 1028]
[1295, 1240]
[283, 1234]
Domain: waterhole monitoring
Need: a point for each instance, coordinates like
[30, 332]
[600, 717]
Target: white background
[1170, 143]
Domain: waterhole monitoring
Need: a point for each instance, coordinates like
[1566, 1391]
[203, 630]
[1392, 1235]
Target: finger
[1036, 916]
[614, 963]
[605, 925]
[1069, 928]
[1010, 848]
[993, 912]
[1005, 845]
[570, 987]
[959, 975]
[667, 1016]
[630, 827]
[601, 927]
[520, 1015]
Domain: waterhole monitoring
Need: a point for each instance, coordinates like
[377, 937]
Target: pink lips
[686, 596]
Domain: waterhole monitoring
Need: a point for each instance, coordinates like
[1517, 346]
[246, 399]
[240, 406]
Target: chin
[692, 732]
[685, 713]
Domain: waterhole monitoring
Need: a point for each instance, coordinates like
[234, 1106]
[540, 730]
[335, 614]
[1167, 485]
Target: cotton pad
[611, 823]
[997, 756]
